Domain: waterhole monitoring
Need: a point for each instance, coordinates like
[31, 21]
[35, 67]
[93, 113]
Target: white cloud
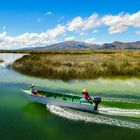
[82, 33]
[2, 35]
[80, 25]
[119, 23]
[115, 23]
[72, 38]
[53, 33]
[90, 40]
[49, 13]
[31, 39]
[75, 24]
[117, 29]
[91, 22]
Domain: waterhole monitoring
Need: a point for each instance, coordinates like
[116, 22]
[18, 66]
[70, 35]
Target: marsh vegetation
[1, 61]
[82, 65]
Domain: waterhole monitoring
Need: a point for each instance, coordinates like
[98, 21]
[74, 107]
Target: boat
[63, 100]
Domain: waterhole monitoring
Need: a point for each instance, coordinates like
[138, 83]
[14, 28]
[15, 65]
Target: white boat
[63, 100]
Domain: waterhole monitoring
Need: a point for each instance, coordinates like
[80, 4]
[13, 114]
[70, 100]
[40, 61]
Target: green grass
[80, 64]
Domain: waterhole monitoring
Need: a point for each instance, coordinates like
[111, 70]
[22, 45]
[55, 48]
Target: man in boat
[33, 91]
[86, 97]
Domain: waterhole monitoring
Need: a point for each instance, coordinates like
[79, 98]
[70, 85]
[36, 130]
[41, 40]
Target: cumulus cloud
[31, 39]
[75, 24]
[79, 25]
[116, 23]
[121, 22]
[90, 40]
[72, 38]
[91, 22]
[2, 35]
[48, 13]
[53, 33]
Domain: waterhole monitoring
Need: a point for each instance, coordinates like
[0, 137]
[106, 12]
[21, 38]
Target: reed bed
[1, 61]
[87, 65]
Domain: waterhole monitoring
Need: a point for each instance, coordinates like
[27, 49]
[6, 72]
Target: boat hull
[60, 103]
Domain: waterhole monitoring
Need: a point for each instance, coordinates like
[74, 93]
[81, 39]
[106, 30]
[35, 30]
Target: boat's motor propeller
[96, 100]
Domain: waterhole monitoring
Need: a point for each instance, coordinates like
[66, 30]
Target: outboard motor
[96, 100]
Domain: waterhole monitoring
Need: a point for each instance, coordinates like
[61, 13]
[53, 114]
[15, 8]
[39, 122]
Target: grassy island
[80, 64]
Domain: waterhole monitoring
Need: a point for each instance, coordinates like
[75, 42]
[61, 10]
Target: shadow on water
[35, 109]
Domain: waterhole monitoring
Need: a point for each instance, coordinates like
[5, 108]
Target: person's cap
[84, 90]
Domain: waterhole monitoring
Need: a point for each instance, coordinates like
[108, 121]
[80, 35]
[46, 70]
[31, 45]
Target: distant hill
[72, 45]
[68, 45]
[122, 46]
[75, 45]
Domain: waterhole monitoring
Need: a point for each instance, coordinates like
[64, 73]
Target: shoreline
[69, 51]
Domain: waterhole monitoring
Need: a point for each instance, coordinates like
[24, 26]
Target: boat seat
[47, 95]
[54, 95]
[64, 98]
[72, 98]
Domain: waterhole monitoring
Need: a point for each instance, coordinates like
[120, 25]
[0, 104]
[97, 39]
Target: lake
[21, 118]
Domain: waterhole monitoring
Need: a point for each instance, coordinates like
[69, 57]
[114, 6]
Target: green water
[21, 118]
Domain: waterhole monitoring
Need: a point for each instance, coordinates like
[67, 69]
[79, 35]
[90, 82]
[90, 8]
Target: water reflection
[9, 58]
[108, 88]
[100, 85]
[112, 90]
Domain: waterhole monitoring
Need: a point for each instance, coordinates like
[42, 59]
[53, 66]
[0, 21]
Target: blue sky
[29, 23]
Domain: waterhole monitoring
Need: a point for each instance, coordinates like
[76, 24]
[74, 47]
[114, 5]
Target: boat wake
[120, 112]
[97, 118]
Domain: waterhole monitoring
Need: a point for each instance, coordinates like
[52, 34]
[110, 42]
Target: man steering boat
[86, 97]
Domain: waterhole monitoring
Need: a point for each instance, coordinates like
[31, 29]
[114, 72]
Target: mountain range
[75, 45]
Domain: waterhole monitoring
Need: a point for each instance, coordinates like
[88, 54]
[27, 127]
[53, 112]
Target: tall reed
[77, 66]
[1, 61]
